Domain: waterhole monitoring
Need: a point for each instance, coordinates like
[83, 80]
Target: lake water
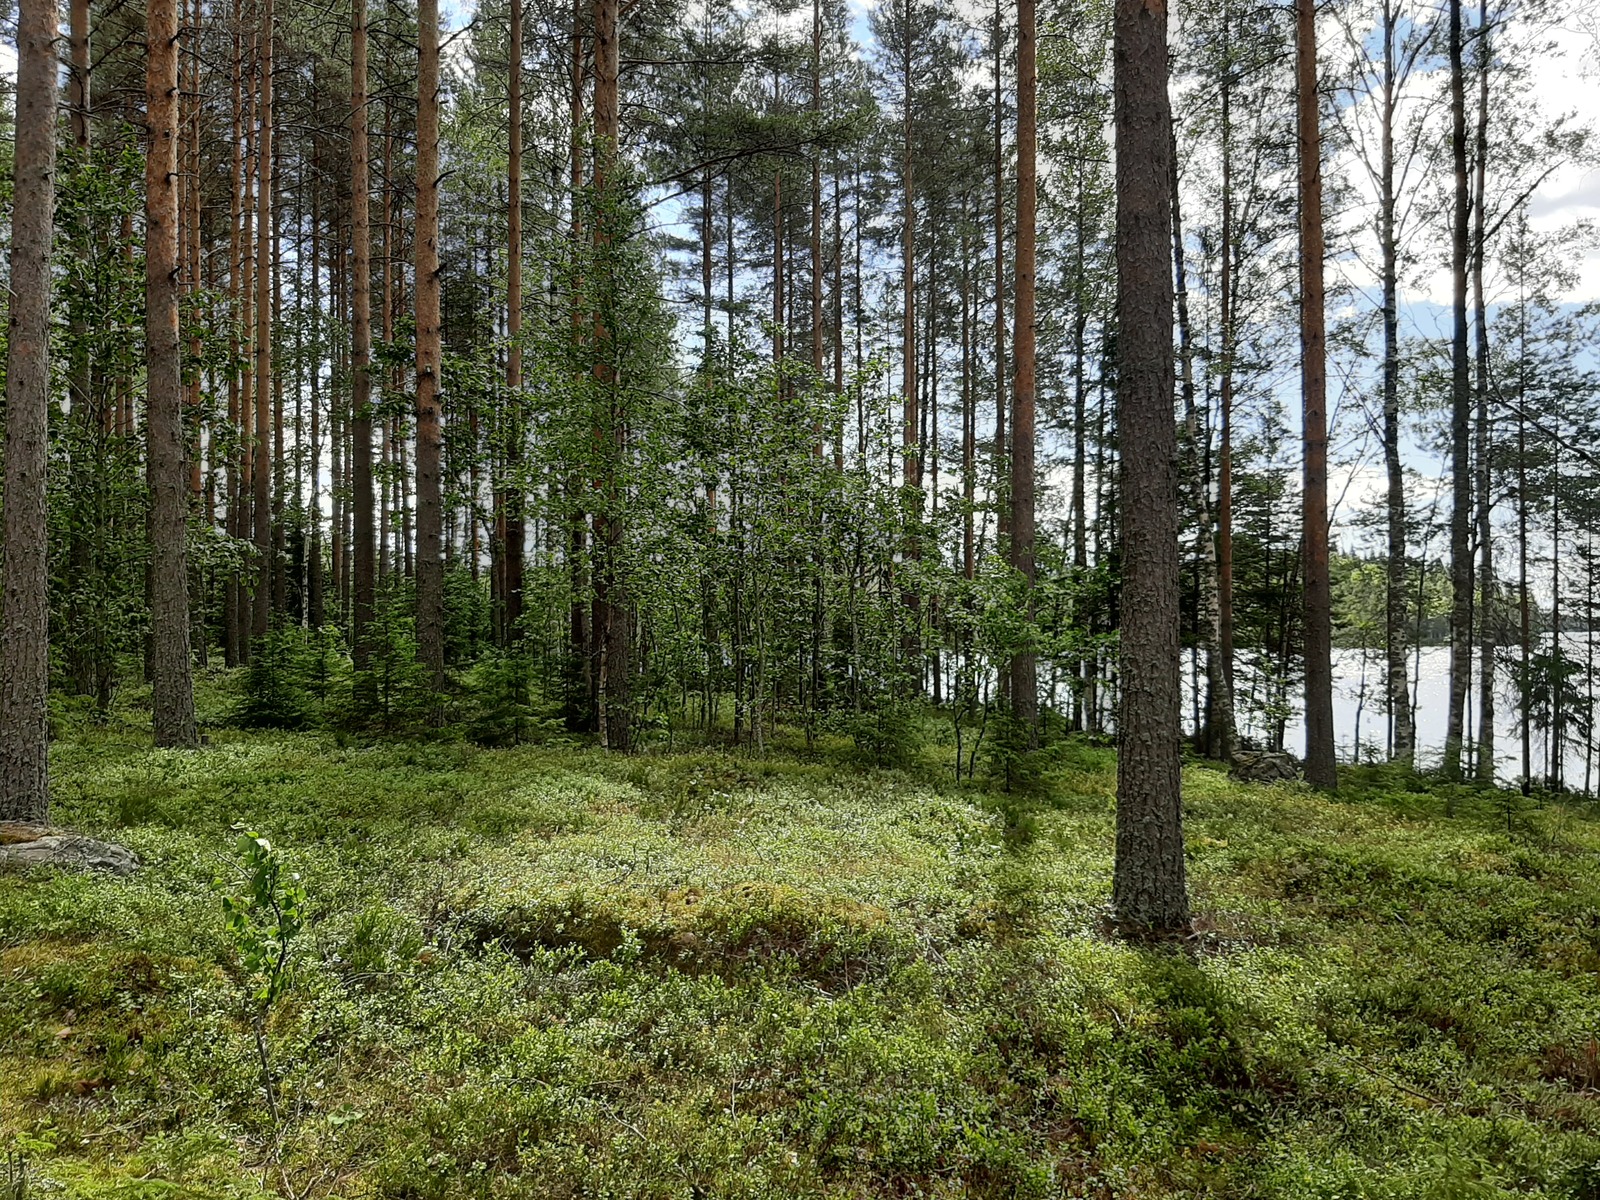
[1358, 703]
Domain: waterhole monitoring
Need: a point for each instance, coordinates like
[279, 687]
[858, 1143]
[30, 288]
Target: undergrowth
[545, 972]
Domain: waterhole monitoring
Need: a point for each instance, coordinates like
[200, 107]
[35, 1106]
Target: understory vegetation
[550, 971]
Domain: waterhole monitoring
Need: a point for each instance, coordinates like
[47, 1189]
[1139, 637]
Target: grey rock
[24, 845]
[1265, 766]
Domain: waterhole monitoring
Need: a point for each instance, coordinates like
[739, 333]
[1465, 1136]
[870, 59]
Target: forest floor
[547, 972]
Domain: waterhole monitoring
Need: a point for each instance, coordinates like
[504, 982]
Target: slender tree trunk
[1403, 732]
[364, 573]
[1460, 418]
[580, 715]
[25, 568]
[1024, 665]
[816, 201]
[1225, 288]
[516, 530]
[316, 615]
[614, 628]
[1525, 601]
[280, 559]
[265, 272]
[84, 653]
[430, 515]
[1216, 736]
[1001, 367]
[1485, 447]
[391, 268]
[1321, 765]
[969, 415]
[173, 692]
[1149, 891]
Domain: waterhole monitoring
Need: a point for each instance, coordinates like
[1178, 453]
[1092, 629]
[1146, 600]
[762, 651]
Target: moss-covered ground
[546, 972]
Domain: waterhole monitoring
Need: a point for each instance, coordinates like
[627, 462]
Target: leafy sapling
[263, 918]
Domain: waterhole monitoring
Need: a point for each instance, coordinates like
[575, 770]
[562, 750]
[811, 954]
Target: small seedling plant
[263, 918]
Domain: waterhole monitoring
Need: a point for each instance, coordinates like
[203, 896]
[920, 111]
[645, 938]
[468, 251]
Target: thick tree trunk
[1149, 892]
[363, 583]
[25, 617]
[1321, 766]
[1460, 420]
[1024, 665]
[430, 514]
[173, 692]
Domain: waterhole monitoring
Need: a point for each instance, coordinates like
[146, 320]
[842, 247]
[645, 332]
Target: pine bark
[260, 613]
[1320, 764]
[613, 625]
[429, 501]
[1460, 418]
[1484, 772]
[363, 583]
[1403, 732]
[1024, 664]
[1149, 891]
[24, 570]
[511, 502]
[173, 692]
[1226, 286]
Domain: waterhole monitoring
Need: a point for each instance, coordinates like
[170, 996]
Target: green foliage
[545, 969]
[263, 915]
[503, 708]
[888, 733]
[275, 695]
[394, 692]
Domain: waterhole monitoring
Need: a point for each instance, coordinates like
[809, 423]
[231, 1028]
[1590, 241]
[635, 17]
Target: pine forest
[800, 598]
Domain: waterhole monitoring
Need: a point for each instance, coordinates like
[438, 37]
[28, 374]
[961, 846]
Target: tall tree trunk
[25, 568]
[1525, 600]
[363, 583]
[173, 692]
[1024, 665]
[1485, 447]
[585, 694]
[1321, 766]
[969, 412]
[1226, 287]
[280, 559]
[1403, 730]
[1460, 419]
[266, 270]
[430, 514]
[1216, 735]
[910, 440]
[316, 615]
[614, 625]
[512, 501]
[1001, 367]
[85, 654]
[1149, 891]
[816, 201]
